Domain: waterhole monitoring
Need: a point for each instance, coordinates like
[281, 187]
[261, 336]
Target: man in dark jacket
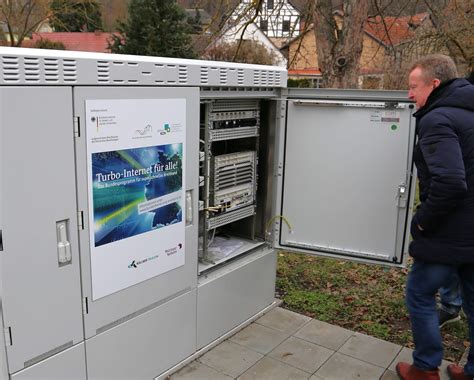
[443, 226]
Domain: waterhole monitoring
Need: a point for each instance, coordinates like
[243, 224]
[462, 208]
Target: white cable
[212, 238]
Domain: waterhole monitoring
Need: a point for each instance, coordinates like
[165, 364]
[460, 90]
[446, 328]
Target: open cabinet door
[344, 183]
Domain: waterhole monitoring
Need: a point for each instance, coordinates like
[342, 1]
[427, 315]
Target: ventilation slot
[240, 76]
[51, 70]
[69, 70]
[277, 79]
[183, 75]
[160, 67]
[32, 69]
[263, 78]
[223, 75]
[11, 71]
[256, 77]
[271, 78]
[204, 75]
[103, 74]
[169, 69]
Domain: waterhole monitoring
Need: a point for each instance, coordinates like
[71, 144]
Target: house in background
[248, 31]
[276, 18]
[384, 39]
[274, 24]
[393, 34]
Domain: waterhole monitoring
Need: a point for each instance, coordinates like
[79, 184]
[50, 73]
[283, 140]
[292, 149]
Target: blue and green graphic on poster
[136, 185]
[136, 191]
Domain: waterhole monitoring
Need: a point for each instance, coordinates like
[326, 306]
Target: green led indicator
[394, 127]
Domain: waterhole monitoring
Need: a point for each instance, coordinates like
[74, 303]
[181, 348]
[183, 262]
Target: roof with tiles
[78, 41]
[394, 30]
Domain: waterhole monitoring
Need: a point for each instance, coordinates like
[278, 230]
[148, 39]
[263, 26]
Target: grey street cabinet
[143, 200]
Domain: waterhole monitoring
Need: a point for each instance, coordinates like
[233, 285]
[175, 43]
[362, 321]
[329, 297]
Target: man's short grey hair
[436, 66]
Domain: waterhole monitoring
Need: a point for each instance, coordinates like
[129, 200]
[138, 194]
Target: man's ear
[436, 83]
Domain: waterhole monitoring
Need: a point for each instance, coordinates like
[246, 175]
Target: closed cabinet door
[137, 167]
[41, 293]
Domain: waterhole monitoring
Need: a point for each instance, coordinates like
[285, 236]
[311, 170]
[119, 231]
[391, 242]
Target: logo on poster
[95, 120]
[166, 129]
[171, 128]
[103, 121]
[135, 263]
[172, 251]
[148, 129]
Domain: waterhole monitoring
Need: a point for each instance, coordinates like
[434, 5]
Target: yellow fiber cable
[272, 221]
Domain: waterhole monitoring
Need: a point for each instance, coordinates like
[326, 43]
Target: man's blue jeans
[450, 295]
[424, 280]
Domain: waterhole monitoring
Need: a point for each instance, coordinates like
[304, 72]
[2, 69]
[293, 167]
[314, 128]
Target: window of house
[285, 27]
[264, 25]
[269, 4]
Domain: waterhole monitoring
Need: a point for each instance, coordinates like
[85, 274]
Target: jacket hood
[458, 93]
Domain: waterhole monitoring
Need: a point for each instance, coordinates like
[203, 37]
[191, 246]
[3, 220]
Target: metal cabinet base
[67, 365]
[147, 345]
[230, 295]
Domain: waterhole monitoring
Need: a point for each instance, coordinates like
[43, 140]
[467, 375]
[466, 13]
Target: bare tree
[22, 17]
[338, 28]
[454, 31]
[339, 44]
[450, 32]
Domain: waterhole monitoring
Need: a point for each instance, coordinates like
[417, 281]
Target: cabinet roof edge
[22, 66]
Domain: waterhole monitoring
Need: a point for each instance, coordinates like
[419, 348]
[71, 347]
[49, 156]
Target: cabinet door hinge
[8, 336]
[80, 220]
[77, 126]
[1, 241]
[85, 306]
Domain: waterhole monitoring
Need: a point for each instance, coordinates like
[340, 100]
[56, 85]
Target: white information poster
[136, 185]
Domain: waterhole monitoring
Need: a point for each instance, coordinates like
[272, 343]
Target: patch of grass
[366, 298]
[311, 303]
[376, 329]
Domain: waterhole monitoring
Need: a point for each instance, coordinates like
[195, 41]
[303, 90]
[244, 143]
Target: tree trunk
[339, 41]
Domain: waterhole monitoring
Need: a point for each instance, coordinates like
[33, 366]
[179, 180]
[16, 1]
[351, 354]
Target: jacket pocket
[414, 230]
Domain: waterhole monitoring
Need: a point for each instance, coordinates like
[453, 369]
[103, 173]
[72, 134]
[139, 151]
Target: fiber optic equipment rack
[142, 201]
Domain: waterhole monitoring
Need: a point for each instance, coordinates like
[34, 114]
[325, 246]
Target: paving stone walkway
[286, 345]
